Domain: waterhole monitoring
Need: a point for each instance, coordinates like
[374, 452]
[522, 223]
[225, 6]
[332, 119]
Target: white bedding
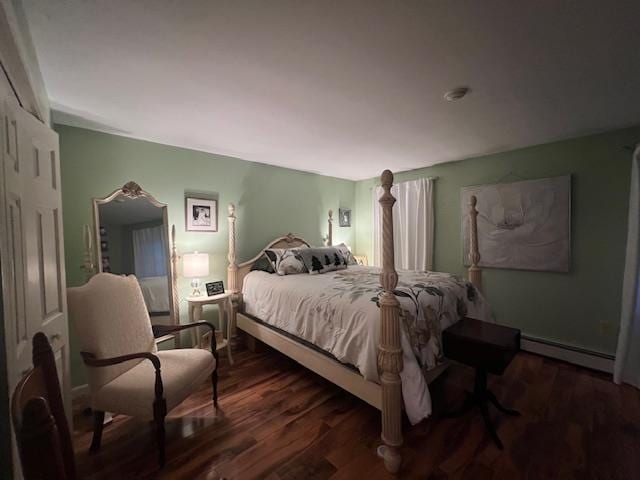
[155, 291]
[338, 312]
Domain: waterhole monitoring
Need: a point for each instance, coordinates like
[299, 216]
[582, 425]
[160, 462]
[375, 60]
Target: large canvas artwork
[522, 225]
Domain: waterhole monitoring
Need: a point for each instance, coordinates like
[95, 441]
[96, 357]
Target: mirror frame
[132, 190]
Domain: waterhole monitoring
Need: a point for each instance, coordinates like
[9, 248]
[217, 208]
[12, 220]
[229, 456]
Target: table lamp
[195, 266]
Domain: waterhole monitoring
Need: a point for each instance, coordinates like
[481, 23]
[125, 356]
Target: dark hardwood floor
[280, 421]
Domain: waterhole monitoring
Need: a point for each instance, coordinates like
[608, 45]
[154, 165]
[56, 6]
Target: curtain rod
[426, 178]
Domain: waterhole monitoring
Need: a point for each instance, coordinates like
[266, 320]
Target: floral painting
[523, 225]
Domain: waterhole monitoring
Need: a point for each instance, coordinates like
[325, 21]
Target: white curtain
[412, 225]
[627, 365]
[150, 252]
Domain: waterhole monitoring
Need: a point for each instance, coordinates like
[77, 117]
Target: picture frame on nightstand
[215, 288]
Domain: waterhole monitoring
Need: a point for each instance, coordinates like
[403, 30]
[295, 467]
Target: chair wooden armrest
[160, 330]
[159, 405]
[91, 360]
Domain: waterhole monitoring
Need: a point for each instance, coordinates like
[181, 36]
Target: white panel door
[33, 273]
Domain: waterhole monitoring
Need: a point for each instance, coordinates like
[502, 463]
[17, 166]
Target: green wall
[271, 201]
[581, 308]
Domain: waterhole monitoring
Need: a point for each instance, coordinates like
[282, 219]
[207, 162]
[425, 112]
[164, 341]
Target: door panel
[34, 278]
[16, 300]
[48, 249]
[11, 141]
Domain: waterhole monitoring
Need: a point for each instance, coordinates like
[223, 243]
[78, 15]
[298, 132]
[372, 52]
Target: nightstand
[489, 348]
[223, 301]
[361, 259]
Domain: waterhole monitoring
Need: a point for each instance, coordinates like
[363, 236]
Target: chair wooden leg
[214, 375]
[159, 413]
[98, 424]
[214, 383]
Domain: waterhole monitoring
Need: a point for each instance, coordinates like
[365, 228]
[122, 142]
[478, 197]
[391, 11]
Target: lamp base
[195, 284]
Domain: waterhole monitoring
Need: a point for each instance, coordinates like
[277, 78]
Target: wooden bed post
[232, 269]
[330, 221]
[174, 282]
[88, 265]
[475, 273]
[390, 350]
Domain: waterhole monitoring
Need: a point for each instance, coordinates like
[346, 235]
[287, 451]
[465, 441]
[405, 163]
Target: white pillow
[286, 261]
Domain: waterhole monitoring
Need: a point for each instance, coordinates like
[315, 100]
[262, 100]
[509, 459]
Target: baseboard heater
[576, 355]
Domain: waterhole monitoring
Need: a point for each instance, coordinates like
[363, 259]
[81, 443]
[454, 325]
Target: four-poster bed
[385, 394]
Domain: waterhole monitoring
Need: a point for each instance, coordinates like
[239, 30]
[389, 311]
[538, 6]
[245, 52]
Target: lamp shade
[195, 265]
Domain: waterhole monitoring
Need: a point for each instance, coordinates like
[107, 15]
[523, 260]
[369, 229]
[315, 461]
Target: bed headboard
[288, 241]
[236, 272]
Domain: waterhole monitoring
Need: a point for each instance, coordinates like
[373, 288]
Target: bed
[373, 332]
[155, 291]
[338, 314]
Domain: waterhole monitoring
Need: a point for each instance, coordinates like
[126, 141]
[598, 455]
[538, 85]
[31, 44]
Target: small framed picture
[201, 215]
[215, 288]
[345, 217]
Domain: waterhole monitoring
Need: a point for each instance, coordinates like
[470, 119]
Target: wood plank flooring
[280, 421]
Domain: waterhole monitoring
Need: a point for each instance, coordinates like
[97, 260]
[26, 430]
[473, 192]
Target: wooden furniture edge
[332, 370]
[324, 366]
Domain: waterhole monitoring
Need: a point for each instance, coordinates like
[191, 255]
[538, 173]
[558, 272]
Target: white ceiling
[343, 88]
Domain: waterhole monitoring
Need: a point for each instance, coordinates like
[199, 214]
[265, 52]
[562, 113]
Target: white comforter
[338, 312]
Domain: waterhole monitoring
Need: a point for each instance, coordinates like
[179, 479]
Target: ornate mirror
[132, 238]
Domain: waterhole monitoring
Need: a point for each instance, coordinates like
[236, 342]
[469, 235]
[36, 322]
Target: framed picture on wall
[345, 217]
[201, 215]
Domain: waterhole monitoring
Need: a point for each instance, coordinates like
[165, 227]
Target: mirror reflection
[133, 239]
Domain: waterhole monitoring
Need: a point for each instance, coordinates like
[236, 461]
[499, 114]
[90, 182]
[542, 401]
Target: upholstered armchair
[127, 374]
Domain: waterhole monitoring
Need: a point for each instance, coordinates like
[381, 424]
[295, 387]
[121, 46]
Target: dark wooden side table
[489, 348]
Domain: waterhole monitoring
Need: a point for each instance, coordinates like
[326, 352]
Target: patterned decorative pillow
[286, 261]
[263, 264]
[323, 259]
[346, 253]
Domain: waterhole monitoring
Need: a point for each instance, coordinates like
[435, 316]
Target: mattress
[155, 291]
[338, 312]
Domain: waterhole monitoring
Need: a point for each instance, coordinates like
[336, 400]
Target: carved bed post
[475, 273]
[89, 265]
[330, 221]
[390, 350]
[232, 269]
[174, 279]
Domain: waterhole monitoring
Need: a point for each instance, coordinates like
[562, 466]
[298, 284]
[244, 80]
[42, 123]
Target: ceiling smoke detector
[456, 94]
